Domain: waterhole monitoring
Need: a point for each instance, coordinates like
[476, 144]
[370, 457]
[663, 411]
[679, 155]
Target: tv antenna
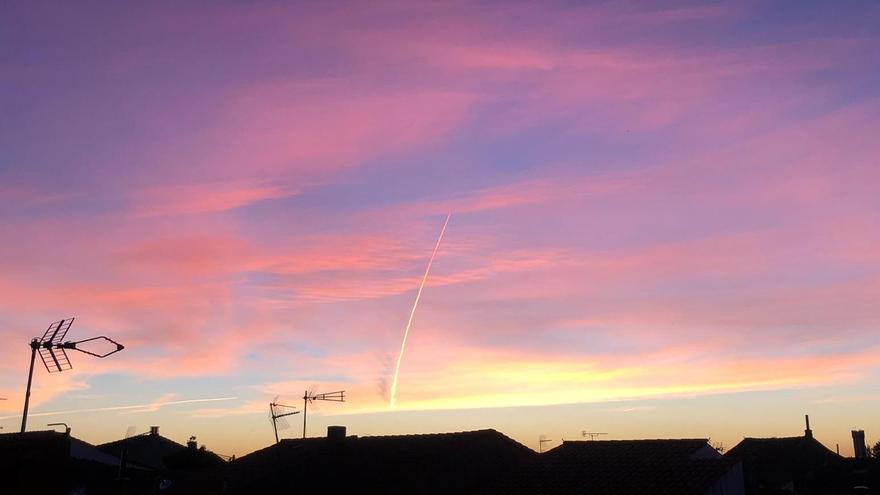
[309, 396]
[541, 441]
[591, 434]
[66, 428]
[52, 352]
[278, 417]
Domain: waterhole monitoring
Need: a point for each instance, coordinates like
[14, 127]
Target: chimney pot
[860, 450]
[154, 430]
[336, 432]
[808, 432]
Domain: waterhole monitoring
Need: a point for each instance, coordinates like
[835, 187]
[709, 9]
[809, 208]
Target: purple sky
[665, 218]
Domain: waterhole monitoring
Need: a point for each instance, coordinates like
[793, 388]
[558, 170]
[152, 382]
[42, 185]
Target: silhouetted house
[176, 468]
[193, 471]
[621, 467]
[193, 457]
[789, 465]
[148, 450]
[465, 462]
[49, 462]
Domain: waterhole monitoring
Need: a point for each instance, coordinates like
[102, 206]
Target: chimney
[154, 430]
[336, 433]
[191, 444]
[861, 452]
[808, 433]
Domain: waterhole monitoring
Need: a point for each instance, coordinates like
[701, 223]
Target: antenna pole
[305, 410]
[55, 358]
[274, 425]
[27, 395]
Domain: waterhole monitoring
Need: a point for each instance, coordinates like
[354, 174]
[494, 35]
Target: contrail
[412, 313]
[151, 407]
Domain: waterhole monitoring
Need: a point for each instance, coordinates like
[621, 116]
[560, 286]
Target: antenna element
[276, 416]
[51, 350]
[308, 396]
[591, 434]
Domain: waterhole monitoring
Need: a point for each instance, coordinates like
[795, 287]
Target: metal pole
[27, 395]
[272, 410]
[305, 411]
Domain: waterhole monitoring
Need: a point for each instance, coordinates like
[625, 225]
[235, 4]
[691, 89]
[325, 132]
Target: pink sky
[664, 218]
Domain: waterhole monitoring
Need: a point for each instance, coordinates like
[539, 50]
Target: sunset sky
[665, 218]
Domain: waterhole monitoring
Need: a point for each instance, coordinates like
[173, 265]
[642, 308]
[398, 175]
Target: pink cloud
[313, 128]
[189, 199]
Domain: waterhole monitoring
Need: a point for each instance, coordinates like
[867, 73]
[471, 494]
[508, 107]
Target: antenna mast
[308, 396]
[276, 416]
[54, 358]
[541, 441]
[591, 434]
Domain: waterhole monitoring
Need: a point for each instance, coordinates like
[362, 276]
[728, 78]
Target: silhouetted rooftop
[462, 462]
[148, 450]
[774, 462]
[681, 467]
[37, 462]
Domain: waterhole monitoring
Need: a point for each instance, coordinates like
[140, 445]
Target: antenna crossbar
[308, 396]
[54, 357]
[592, 434]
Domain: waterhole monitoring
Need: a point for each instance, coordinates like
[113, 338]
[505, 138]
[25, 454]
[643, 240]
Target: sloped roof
[644, 451]
[805, 450]
[461, 462]
[147, 450]
[33, 449]
[773, 462]
[681, 467]
[85, 451]
[193, 458]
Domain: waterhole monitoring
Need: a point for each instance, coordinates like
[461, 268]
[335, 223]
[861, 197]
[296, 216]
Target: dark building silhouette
[789, 465]
[147, 450]
[466, 462]
[473, 462]
[176, 468]
[682, 467]
[49, 462]
[483, 462]
[860, 450]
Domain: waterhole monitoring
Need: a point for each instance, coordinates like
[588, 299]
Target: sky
[664, 217]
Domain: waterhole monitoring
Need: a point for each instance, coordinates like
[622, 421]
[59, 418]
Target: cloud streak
[154, 406]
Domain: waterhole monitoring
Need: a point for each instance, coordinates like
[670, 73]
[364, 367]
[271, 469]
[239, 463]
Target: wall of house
[731, 483]
[706, 452]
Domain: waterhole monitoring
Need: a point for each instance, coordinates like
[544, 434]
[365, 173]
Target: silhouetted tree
[875, 451]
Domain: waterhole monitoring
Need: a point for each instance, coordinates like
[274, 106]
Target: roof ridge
[402, 435]
[641, 440]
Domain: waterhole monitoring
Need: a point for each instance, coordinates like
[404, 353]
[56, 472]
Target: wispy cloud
[154, 406]
[191, 199]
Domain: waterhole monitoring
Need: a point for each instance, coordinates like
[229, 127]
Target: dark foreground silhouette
[478, 462]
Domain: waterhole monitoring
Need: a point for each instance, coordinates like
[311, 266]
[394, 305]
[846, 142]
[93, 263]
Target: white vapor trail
[151, 407]
[412, 313]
